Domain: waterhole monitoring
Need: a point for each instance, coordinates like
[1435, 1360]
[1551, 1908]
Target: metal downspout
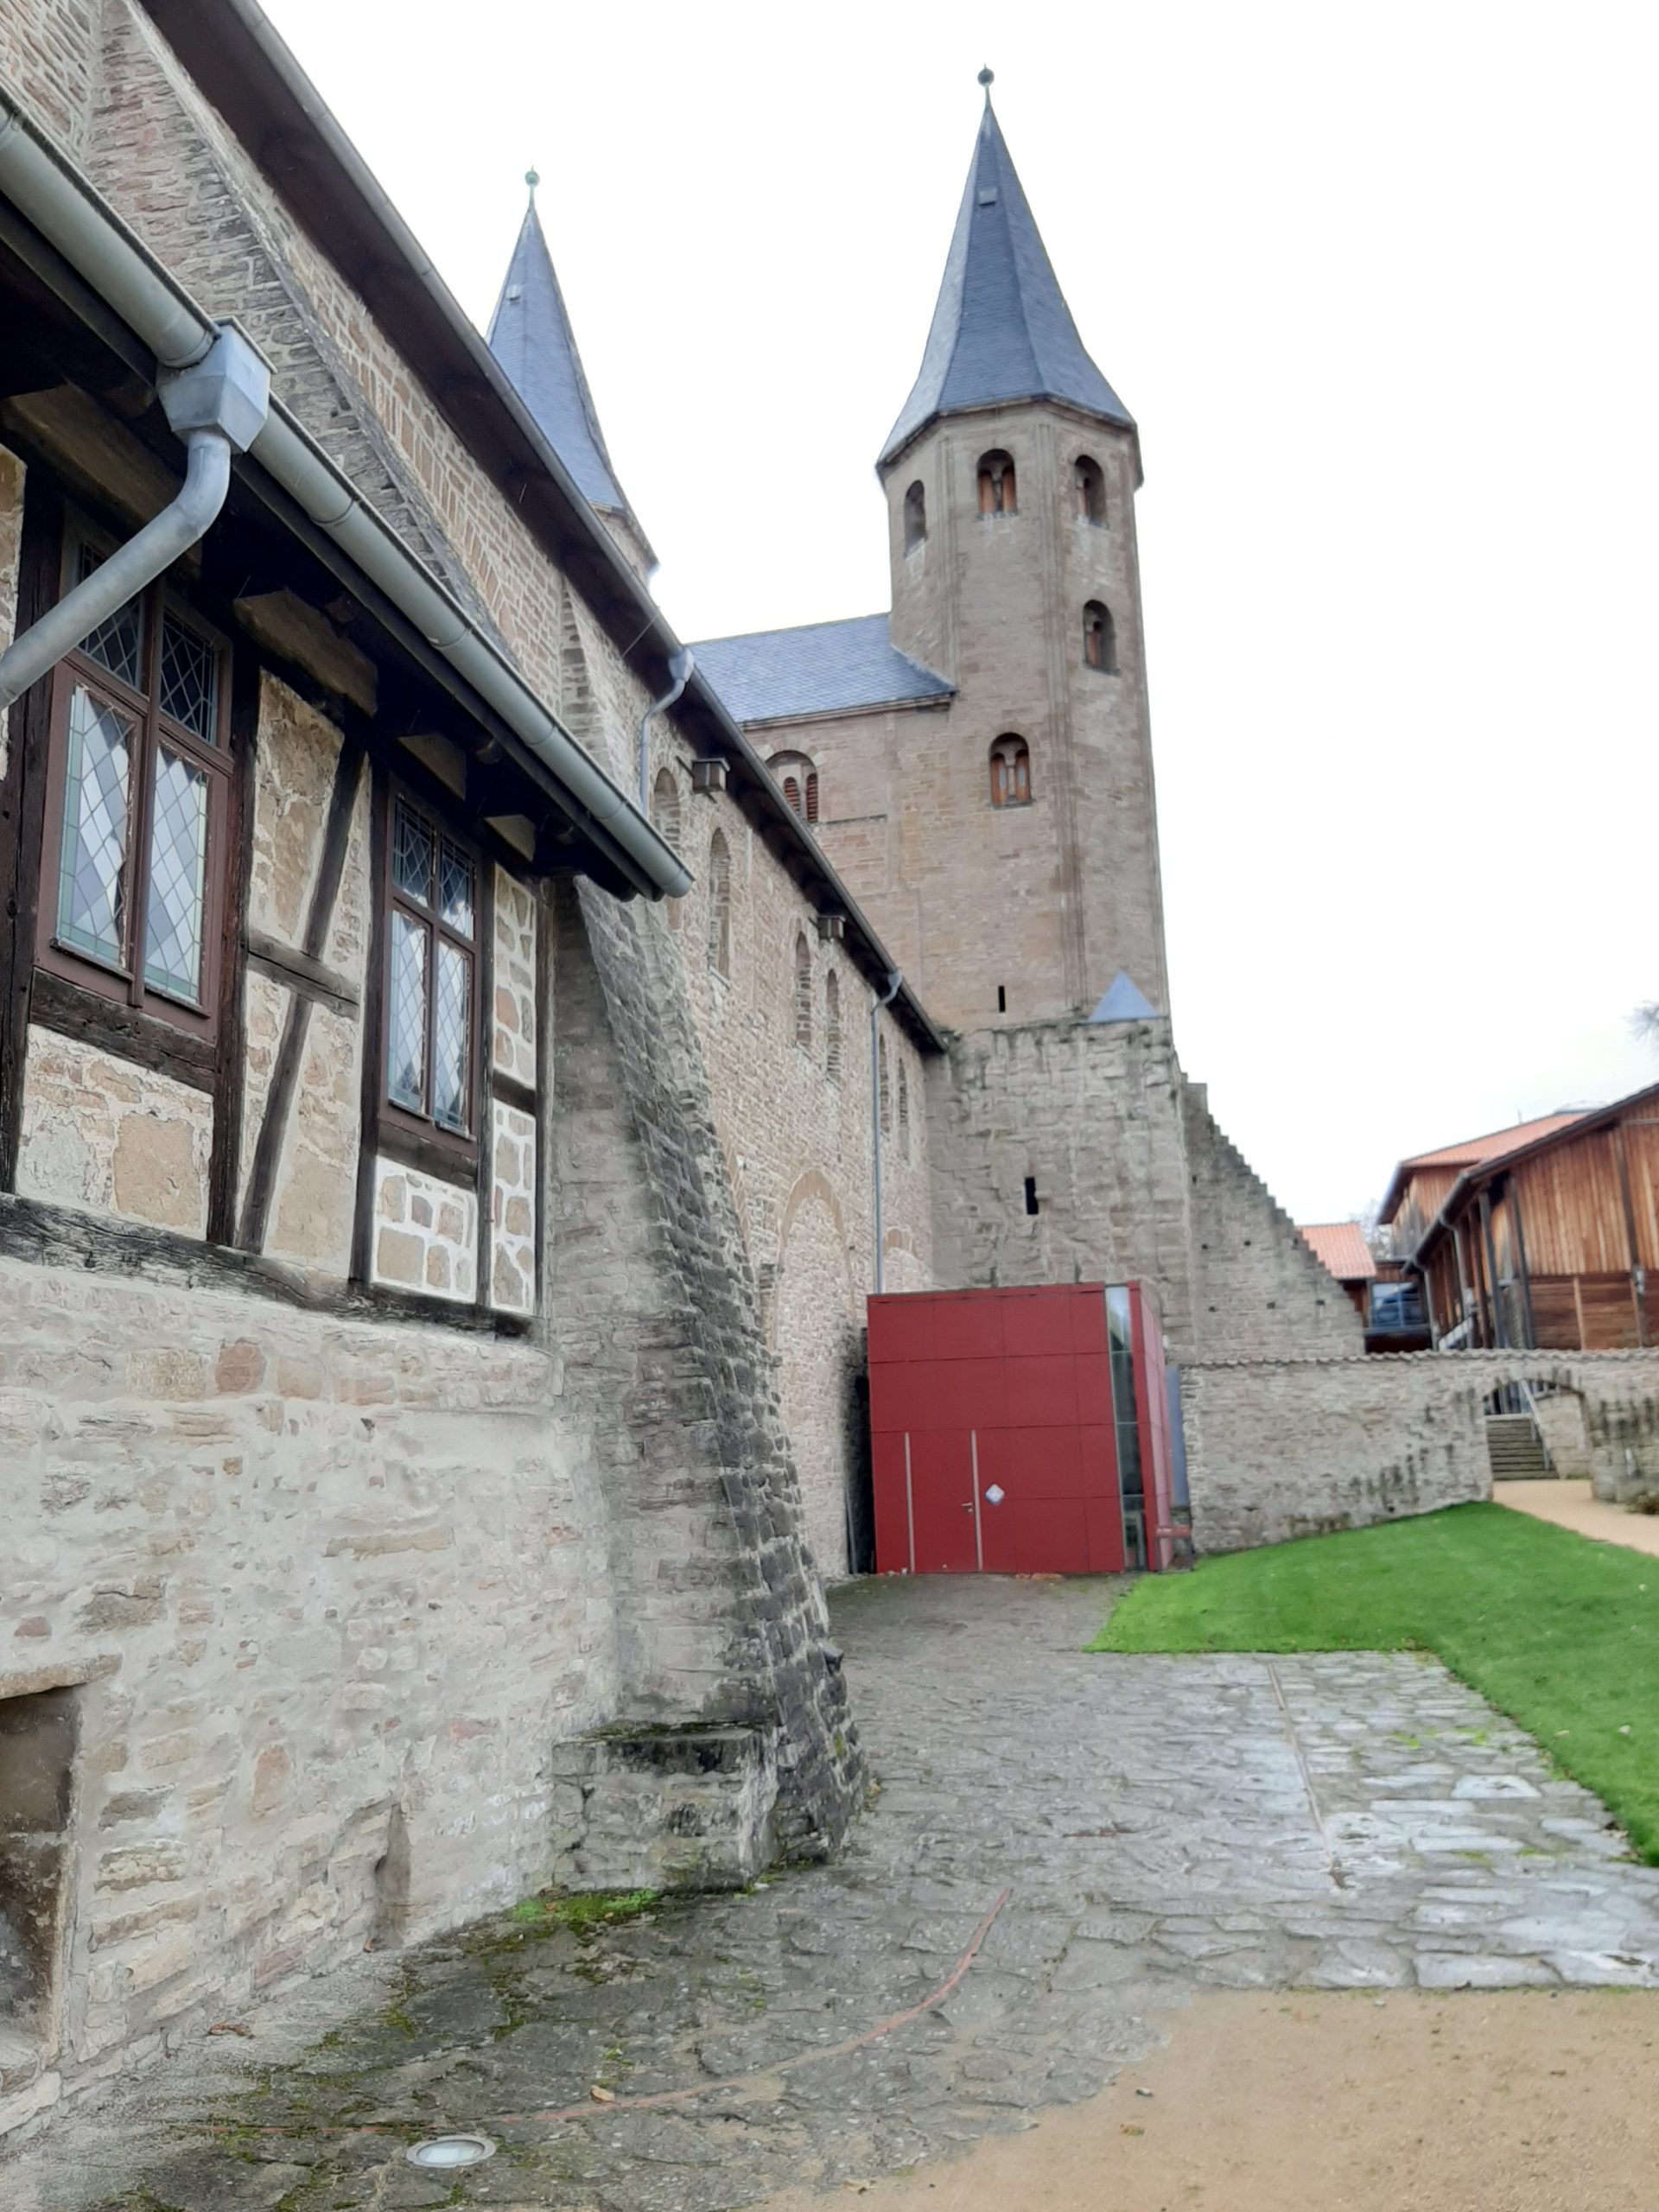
[679, 671]
[895, 979]
[217, 407]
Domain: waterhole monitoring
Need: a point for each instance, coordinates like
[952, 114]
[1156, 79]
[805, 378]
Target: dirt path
[1515, 2101]
[1570, 1506]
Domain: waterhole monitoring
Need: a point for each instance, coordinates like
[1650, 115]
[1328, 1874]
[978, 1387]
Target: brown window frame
[422, 1132]
[125, 983]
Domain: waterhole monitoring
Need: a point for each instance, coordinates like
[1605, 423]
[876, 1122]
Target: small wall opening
[904, 1113]
[1090, 484]
[915, 517]
[1099, 639]
[883, 1090]
[37, 1767]
[1001, 998]
[1032, 1204]
[997, 492]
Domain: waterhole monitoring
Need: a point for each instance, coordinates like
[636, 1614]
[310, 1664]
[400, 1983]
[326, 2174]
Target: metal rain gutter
[99, 246]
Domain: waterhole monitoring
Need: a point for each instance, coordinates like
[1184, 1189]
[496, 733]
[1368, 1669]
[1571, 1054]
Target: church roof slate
[1001, 329]
[530, 336]
[820, 669]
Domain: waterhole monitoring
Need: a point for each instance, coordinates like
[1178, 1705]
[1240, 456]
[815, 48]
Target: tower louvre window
[1010, 773]
[798, 778]
[915, 517]
[1099, 639]
[1091, 491]
[802, 991]
[997, 493]
[884, 1091]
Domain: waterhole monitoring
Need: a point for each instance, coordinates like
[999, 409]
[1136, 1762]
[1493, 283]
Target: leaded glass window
[432, 971]
[92, 858]
[138, 808]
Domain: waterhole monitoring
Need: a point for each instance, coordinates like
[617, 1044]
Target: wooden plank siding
[1558, 1246]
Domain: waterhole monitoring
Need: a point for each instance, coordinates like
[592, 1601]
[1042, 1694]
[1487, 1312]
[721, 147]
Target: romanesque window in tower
[884, 1088]
[720, 905]
[1010, 773]
[904, 1113]
[665, 807]
[802, 991]
[915, 516]
[1091, 491]
[832, 1027]
[1099, 639]
[997, 495]
[798, 778]
[665, 821]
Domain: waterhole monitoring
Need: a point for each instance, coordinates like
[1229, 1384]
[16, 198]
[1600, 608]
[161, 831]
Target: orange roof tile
[1341, 1245]
[1475, 1149]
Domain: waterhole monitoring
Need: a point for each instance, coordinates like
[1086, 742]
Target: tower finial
[532, 181]
[987, 78]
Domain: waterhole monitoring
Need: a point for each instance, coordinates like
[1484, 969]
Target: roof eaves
[911, 703]
[253, 62]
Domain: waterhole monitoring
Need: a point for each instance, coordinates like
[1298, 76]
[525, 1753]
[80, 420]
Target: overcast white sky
[1377, 284]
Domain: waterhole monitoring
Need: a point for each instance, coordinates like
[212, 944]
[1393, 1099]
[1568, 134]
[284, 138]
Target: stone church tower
[1010, 476]
[977, 764]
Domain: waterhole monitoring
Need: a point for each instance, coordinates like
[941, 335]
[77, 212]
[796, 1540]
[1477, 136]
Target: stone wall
[1279, 1448]
[1259, 1292]
[796, 1134]
[1091, 1115]
[253, 1540]
[721, 1613]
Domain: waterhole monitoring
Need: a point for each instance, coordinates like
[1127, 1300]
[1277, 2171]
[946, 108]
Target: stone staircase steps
[1515, 1448]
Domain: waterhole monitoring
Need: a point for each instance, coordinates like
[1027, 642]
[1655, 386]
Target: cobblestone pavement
[1157, 1825]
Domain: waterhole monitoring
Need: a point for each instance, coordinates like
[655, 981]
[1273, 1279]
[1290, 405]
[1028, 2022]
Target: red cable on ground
[594, 2110]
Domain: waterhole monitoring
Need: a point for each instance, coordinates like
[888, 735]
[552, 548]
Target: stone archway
[815, 1335]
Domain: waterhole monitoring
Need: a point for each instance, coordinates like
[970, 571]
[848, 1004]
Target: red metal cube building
[1019, 1431]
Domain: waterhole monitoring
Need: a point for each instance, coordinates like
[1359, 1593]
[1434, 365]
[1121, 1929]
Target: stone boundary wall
[1259, 1292]
[1298, 1447]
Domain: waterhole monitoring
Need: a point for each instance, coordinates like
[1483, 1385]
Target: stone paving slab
[1133, 1829]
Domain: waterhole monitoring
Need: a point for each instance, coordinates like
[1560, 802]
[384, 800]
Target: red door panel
[1052, 1536]
[1036, 1322]
[901, 1328]
[1044, 1462]
[968, 1394]
[1088, 1310]
[901, 1396]
[891, 1511]
[1095, 1387]
[942, 1487]
[1097, 1450]
[967, 1328]
[1042, 1393]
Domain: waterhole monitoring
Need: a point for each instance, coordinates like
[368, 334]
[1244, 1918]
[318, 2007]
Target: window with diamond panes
[431, 972]
[138, 811]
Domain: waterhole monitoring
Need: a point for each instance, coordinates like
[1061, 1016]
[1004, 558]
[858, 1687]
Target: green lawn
[1560, 1633]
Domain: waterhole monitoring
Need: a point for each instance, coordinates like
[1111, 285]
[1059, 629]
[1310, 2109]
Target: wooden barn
[1545, 1236]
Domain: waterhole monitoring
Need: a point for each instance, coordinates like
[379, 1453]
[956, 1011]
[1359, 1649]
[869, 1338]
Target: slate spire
[1001, 329]
[530, 336]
